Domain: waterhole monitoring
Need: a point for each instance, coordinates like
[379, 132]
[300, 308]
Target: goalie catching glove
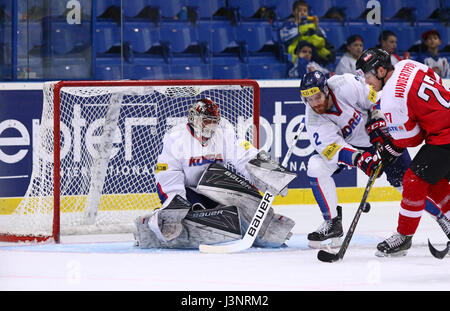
[268, 175]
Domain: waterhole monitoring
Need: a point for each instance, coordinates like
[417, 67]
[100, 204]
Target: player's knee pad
[317, 167]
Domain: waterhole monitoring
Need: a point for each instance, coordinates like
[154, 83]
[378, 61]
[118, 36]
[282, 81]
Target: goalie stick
[332, 257]
[436, 253]
[259, 217]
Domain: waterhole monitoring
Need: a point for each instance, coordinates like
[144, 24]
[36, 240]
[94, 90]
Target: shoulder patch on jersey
[246, 145]
[159, 167]
[372, 95]
[330, 151]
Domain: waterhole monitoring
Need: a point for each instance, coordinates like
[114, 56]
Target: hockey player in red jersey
[416, 107]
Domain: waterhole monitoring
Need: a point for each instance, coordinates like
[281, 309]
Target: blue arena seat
[423, 9]
[168, 8]
[391, 7]
[190, 71]
[246, 8]
[256, 34]
[219, 34]
[148, 71]
[108, 68]
[320, 8]
[369, 33]
[335, 32]
[353, 8]
[179, 35]
[134, 7]
[206, 9]
[266, 68]
[107, 35]
[283, 9]
[141, 35]
[69, 68]
[228, 67]
[63, 37]
[103, 5]
[29, 35]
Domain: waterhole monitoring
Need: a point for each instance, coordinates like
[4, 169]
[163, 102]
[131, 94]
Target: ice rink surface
[111, 262]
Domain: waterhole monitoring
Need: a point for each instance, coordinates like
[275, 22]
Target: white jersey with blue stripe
[335, 133]
[183, 158]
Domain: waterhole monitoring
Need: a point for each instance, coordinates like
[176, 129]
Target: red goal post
[98, 143]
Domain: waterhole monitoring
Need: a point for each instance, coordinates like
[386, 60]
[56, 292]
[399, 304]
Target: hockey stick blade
[437, 253]
[327, 257]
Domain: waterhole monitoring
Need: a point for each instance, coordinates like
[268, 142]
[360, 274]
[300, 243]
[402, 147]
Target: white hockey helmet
[204, 116]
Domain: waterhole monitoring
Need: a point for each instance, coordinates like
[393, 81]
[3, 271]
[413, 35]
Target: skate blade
[326, 244]
[397, 254]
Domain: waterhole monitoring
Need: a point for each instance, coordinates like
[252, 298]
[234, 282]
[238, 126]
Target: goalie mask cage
[93, 170]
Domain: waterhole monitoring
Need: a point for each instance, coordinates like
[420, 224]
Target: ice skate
[328, 234]
[394, 246]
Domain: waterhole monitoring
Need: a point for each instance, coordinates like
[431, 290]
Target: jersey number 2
[427, 84]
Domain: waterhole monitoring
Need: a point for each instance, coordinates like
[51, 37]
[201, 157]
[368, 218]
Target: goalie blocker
[180, 225]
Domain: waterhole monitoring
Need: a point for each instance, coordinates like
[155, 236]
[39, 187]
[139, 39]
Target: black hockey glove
[367, 162]
[389, 152]
[379, 134]
[377, 129]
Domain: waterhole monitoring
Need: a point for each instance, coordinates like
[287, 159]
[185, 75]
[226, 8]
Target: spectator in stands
[303, 62]
[347, 64]
[302, 27]
[430, 56]
[388, 42]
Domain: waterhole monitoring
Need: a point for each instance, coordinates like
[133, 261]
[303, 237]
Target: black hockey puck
[366, 208]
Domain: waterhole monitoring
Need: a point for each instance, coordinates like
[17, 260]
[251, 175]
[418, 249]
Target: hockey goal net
[93, 170]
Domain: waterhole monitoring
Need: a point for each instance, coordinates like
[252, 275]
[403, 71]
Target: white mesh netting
[110, 139]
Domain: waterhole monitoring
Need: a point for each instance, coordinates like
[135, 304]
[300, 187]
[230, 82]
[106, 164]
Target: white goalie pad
[267, 174]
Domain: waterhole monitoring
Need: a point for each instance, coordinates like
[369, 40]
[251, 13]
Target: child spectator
[303, 62]
[347, 64]
[302, 27]
[430, 56]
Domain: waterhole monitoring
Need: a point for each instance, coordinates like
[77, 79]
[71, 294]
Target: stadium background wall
[281, 111]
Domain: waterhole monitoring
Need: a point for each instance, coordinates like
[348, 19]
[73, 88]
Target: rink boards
[281, 110]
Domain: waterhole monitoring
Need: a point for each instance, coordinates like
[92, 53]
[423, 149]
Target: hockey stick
[436, 253]
[332, 257]
[259, 217]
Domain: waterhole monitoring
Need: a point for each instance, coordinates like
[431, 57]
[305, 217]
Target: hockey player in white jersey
[336, 116]
[203, 202]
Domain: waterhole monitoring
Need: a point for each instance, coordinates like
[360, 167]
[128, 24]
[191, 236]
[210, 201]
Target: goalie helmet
[204, 116]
